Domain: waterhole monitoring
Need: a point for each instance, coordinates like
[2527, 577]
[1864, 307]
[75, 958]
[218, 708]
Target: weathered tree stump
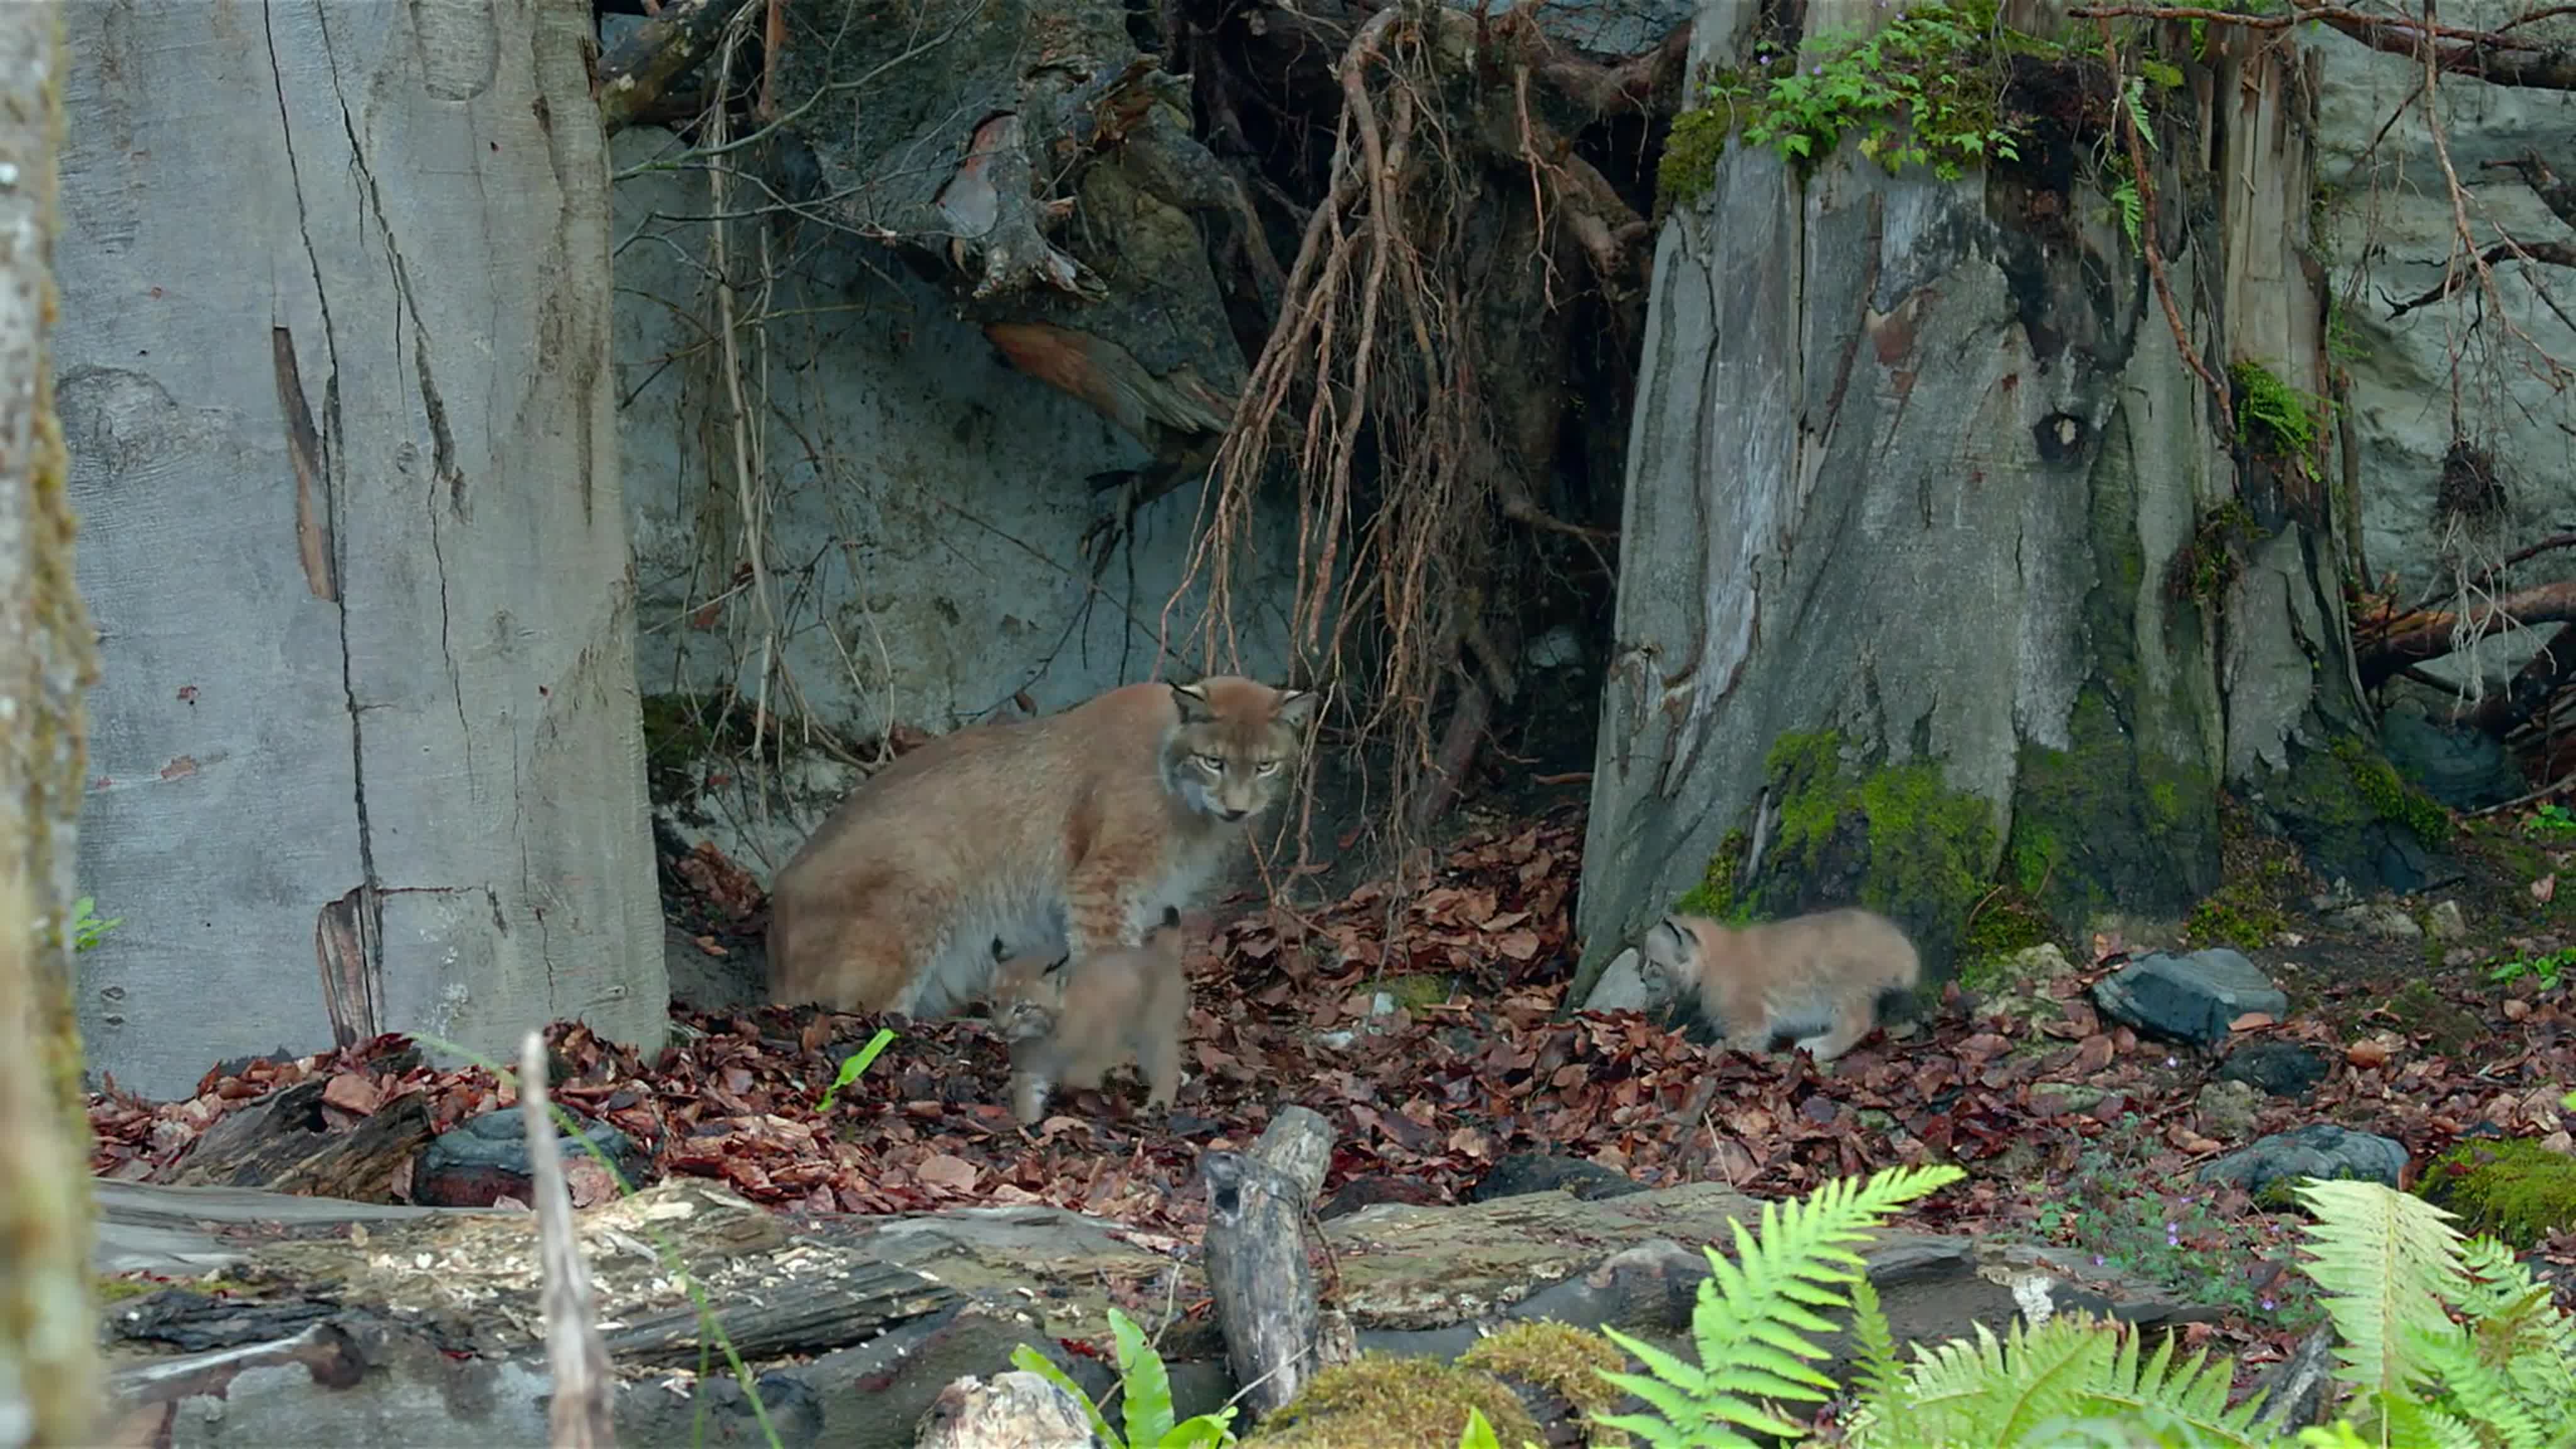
[1264, 1289]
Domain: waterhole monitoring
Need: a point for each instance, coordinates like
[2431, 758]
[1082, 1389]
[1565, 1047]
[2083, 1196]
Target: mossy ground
[2107, 810]
[1384, 1402]
[2513, 1189]
[2261, 882]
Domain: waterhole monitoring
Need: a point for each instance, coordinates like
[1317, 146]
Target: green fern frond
[1754, 1313]
[2477, 1390]
[2387, 1263]
[1876, 1374]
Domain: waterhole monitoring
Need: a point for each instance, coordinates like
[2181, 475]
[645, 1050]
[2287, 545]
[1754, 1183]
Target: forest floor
[2073, 1130]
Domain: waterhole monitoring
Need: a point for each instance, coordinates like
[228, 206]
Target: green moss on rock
[1691, 149]
[1894, 838]
[2512, 1189]
[2347, 807]
[1715, 895]
[2107, 814]
[2390, 796]
[1380, 1401]
[1558, 1359]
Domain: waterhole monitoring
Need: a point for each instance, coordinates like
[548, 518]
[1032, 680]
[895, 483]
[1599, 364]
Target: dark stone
[1373, 1188]
[1527, 1172]
[2188, 998]
[2279, 1068]
[2463, 767]
[653, 1413]
[2319, 1149]
[485, 1158]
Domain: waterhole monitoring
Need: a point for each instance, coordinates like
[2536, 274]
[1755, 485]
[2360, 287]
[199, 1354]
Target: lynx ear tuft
[1296, 707]
[1192, 701]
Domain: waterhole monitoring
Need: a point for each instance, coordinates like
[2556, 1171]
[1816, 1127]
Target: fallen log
[2418, 637]
[1264, 1287]
[661, 52]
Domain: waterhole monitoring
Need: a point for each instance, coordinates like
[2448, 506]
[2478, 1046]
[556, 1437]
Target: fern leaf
[1875, 1374]
[2477, 1389]
[2387, 1263]
[1143, 1385]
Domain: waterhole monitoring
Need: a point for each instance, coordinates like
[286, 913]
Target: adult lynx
[1080, 827]
[1820, 974]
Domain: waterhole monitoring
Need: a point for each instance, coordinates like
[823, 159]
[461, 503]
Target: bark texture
[49, 1372]
[335, 383]
[1919, 487]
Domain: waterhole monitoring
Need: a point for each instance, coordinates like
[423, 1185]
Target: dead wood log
[2296, 1390]
[661, 52]
[805, 1315]
[2419, 637]
[283, 1143]
[1265, 1290]
[578, 1415]
[2533, 687]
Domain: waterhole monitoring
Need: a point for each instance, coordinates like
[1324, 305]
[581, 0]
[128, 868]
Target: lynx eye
[1266, 769]
[1209, 763]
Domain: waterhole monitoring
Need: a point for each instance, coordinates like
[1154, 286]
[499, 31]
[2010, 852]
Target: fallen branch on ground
[2417, 637]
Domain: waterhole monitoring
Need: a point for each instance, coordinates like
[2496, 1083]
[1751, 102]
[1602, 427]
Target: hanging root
[1418, 437]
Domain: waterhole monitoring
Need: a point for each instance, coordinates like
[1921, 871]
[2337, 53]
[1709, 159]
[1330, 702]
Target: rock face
[2320, 1150]
[2190, 998]
[2012, 670]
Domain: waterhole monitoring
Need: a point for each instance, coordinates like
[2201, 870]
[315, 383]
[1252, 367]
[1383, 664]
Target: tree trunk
[1942, 579]
[48, 1357]
[335, 380]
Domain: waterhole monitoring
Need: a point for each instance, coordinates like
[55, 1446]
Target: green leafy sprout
[87, 928]
[1145, 1391]
[853, 1065]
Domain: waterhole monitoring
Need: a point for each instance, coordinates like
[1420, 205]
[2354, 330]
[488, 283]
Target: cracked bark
[411, 648]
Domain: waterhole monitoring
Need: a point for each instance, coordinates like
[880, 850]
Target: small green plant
[2550, 821]
[2273, 417]
[854, 1064]
[2545, 970]
[2178, 1241]
[87, 928]
[1145, 1393]
[2444, 1341]
[1921, 91]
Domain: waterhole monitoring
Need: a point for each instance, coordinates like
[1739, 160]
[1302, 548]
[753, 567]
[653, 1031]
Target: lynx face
[1228, 760]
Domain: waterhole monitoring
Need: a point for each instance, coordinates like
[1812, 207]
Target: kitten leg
[1159, 1059]
[1855, 1017]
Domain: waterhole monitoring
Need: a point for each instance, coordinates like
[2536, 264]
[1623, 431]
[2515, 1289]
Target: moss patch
[2449, 1030]
[2260, 878]
[1559, 1359]
[2513, 1189]
[1895, 838]
[1381, 1401]
[2005, 923]
[1688, 166]
[2203, 569]
[2349, 809]
[1714, 896]
[2108, 822]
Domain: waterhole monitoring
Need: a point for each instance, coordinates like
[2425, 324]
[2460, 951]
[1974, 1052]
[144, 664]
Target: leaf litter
[1435, 1051]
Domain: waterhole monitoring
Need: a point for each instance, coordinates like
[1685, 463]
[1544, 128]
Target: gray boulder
[2319, 1149]
[2188, 998]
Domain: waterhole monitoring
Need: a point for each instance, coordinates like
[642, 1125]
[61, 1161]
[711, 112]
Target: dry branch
[642, 68]
[2495, 56]
[1265, 1290]
[2417, 637]
[578, 1415]
[2556, 254]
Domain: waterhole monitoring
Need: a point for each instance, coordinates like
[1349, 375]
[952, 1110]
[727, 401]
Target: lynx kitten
[1115, 1005]
[1820, 974]
[1079, 828]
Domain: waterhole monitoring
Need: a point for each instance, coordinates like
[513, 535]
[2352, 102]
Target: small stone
[2320, 1150]
[484, 1159]
[2389, 919]
[2447, 923]
[2190, 998]
[1522, 1173]
[2460, 956]
[2226, 1109]
[2283, 1069]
